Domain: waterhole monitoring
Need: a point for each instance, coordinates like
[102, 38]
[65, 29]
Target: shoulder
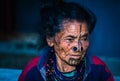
[101, 68]
[33, 75]
[28, 68]
[97, 61]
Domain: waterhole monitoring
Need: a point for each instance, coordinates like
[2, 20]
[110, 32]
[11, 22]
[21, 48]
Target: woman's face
[73, 35]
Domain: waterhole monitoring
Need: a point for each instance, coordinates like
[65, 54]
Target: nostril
[81, 48]
[76, 49]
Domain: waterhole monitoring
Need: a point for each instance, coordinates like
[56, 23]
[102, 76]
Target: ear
[50, 41]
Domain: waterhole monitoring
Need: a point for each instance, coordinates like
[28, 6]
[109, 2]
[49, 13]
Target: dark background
[19, 39]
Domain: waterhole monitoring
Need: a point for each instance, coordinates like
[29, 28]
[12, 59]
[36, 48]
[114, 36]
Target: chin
[74, 62]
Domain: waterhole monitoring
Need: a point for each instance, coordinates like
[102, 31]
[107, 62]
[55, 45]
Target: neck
[64, 67]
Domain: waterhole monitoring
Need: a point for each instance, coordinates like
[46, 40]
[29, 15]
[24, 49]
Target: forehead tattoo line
[80, 35]
[80, 30]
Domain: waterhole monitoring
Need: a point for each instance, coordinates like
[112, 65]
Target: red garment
[34, 62]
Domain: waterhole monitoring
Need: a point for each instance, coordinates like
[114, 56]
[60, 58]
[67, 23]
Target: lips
[75, 56]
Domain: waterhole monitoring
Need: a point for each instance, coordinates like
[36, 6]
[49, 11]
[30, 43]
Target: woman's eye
[85, 38]
[70, 40]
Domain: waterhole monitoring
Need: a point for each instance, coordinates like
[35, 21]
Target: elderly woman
[65, 58]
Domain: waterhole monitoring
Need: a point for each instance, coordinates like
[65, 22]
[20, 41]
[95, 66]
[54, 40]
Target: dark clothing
[95, 69]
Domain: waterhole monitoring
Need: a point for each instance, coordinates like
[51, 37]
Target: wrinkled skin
[73, 34]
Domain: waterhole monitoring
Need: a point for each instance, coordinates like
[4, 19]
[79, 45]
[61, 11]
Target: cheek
[64, 44]
[62, 50]
[64, 47]
[60, 47]
[85, 45]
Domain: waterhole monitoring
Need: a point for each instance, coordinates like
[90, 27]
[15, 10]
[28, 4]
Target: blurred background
[20, 40]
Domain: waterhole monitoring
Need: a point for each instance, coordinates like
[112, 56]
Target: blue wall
[27, 15]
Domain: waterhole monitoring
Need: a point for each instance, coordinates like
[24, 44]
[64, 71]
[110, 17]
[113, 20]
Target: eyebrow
[86, 34]
[71, 36]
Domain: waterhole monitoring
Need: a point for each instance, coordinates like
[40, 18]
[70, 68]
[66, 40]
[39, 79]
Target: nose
[77, 47]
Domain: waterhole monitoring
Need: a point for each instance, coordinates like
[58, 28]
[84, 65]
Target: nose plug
[76, 49]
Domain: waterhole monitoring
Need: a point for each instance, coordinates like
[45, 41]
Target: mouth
[75, 56]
